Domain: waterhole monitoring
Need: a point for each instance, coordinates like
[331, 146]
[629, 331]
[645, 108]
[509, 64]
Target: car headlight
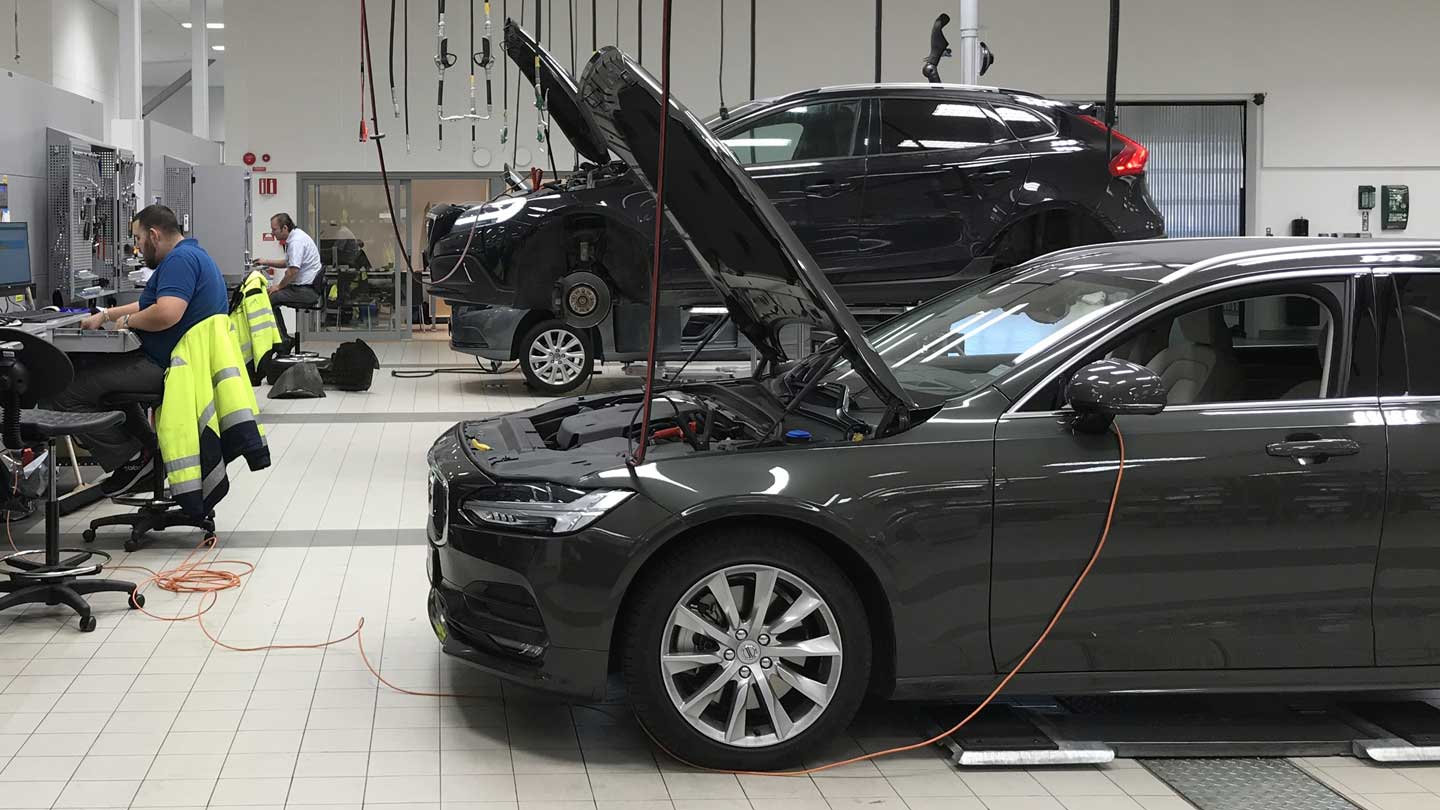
[542, 508]
[492, 213]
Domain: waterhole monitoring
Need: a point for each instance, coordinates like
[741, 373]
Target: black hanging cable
[657, 252]
[550, 42]
[17, 31]
[515, 147]
[1111, 65]
[405, 71]
[639, 31]
[724, 113]
[394, 103]
[505, 77]
[879, 22]
[380, 146]
[752, 49]
[617, 23]
[594, 27]
[473, 58]
[573, 72]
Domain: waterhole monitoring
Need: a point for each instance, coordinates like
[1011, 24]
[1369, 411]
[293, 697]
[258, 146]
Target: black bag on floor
[352, 367]
[299, 381]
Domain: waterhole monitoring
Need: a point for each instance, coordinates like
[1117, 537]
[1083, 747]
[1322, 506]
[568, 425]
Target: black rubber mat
[998, 728]
[1414, 721]
[1245, 784]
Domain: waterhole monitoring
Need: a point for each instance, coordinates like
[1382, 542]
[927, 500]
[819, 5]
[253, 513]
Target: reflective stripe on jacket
[254, 320]
[208, 416]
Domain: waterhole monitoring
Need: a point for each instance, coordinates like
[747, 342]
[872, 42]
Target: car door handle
[1312, 449]
[994, 175]
[826, 187]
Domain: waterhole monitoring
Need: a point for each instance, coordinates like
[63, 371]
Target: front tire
[556, 358]
[722, 684]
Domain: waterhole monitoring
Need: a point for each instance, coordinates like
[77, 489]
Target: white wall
[1351, 98]
[34, 39]
[175, 112]
[83, 57]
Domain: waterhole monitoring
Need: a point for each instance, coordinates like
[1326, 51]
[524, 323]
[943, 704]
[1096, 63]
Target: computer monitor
[15, 255]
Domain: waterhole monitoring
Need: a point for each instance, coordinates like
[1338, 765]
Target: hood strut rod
[658, 251]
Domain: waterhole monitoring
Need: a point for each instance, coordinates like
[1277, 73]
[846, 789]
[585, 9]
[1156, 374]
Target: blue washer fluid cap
[797, 435]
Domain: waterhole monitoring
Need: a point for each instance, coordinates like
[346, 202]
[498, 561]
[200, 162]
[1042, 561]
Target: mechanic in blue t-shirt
[185, 289]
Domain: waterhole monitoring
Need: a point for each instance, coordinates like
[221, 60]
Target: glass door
[367, 285]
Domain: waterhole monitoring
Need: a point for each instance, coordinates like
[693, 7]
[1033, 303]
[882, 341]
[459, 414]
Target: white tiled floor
[147, 714]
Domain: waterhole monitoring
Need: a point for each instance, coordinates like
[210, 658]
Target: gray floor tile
[250, 791]
[326, 790]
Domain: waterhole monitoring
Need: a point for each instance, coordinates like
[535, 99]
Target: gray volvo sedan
[901, 512]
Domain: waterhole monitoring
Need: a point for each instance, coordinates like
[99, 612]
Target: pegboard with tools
[91, 198]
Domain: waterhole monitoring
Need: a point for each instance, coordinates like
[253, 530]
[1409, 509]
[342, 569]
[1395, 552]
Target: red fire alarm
[249, 158]
[265, 157]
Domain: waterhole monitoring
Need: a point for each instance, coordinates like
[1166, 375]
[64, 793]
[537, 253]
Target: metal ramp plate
[1245, 784]
[1006, 736]
[1407, 730]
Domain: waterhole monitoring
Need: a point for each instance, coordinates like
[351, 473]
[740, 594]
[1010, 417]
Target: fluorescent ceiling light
[212, 26]
[217, 47]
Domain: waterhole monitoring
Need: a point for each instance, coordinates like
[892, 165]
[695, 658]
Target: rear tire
[556, 358]
[816, 691]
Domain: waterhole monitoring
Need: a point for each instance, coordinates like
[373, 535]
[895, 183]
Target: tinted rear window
[916, 124]
[1024, 123]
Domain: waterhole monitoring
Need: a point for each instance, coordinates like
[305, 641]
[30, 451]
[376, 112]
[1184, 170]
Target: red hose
[659, 229]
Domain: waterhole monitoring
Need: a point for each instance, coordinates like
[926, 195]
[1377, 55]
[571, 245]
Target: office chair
[31, 370]
[155, 512]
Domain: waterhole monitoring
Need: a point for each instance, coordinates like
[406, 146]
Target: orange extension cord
[202, 577]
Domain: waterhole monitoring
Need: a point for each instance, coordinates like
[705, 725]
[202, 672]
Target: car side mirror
[1104, 389]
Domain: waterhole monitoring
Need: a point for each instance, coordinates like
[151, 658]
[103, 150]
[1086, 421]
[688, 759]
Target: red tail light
[1133, 155]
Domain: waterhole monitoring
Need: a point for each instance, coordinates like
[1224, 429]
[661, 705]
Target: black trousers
[289, 297]
[97, 376]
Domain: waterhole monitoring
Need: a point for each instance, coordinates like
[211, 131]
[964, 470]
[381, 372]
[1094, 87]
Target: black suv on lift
[896, 189]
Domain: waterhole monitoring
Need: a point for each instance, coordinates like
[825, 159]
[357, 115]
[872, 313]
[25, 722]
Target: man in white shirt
[301, 265]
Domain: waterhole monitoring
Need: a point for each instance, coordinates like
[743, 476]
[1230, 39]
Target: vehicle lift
[1030, 731]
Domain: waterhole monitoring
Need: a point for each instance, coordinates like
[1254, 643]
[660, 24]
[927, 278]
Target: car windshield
[967, 339]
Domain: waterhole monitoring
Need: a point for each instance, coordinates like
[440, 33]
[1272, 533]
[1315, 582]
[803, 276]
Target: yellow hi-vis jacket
[208, 416]
[254, 320]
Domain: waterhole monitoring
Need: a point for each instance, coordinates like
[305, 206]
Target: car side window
[803, 132]
[1279, 346]
[1416, 312]
[1024, 123]
[919, 124]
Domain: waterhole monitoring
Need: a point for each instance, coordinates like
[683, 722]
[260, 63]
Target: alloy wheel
[557, 356]
[751, 656]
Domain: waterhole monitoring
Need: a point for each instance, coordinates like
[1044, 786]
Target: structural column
[199, 71]
[969, 42]
[131, 78]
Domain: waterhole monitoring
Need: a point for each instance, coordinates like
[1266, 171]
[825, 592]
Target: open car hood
[561, 94]
[743, 245]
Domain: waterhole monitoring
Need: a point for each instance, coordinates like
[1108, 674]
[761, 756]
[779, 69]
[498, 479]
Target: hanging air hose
[405, 72]
[657, 253]
[482, 59]
[394, 103]
[505, 79]
[724, 113]
[444, 60]
[380, 143]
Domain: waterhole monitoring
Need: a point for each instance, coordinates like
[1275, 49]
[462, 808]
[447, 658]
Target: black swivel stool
[155, 512]
[318, 285]
[30, 370]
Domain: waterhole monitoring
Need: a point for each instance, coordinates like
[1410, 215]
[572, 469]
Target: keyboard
[36, 316]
